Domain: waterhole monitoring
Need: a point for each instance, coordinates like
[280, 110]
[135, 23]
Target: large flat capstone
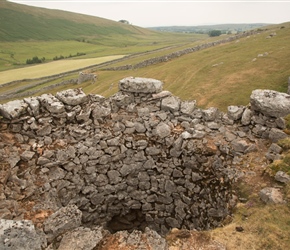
[270, 102]
[140, 85]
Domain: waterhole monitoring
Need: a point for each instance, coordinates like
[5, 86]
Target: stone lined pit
[140, 158]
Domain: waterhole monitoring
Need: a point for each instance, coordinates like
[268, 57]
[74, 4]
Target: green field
[52, 68]
[26, 32]
[15, 54]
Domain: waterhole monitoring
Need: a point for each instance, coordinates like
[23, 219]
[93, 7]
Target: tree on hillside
[214, 33]
[35, 60]
[124, 21]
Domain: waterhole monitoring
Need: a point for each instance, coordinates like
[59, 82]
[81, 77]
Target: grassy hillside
[21, 22]
[223, 75]
[219, 76]
[27, 31]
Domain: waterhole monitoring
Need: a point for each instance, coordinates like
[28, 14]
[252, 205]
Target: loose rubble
[142, 161]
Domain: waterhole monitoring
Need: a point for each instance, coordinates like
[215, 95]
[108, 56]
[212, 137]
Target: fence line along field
[52, 68]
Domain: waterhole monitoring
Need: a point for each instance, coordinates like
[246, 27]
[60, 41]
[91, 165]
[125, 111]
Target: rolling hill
[27, 32]
[21, 22]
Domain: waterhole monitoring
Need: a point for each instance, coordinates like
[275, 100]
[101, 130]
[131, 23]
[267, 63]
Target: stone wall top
[140, 85]
[270, 102]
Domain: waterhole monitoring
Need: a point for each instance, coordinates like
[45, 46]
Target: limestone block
[282, 177]
[51, 103]
[13, 109]
[81, 239]
[170, 103]
[72, 96]
[235, 112]
[63, 220]
[19, 235]
[270, 102]
[271, 195]
[140, 85]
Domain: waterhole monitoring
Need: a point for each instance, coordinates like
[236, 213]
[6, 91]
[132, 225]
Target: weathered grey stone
[143, 112]
[42, 161]
[195, 177]
[44, 130]
[19, 235]
[51, 103]
[34, 105]
[186, 135]
[210, 114]
[72, 96]
[170, 103]
[154, 240]
[246, 117]
[139, 127]
[239, 145]
[276, 134]
[220, 213]
[152, 151]
[275, 148]
[281, 123]
[137, 240]
[230, 136]
[140, 85]
[288, 90]
[13, 109]
[102, 180]
[113, 142]
[163, 130]
[271, 195]
[198, 134]
[114, 176]
[162, 94]
[63, 220]
[270, 102]
[235, 112]
[27, 155]
[100, 111]
[84, 115]
[213, 125]
[187, 107]
[282, 177]
[81, 239]
[83, 77]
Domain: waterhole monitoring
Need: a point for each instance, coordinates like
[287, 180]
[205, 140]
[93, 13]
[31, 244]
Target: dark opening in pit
[134, 220]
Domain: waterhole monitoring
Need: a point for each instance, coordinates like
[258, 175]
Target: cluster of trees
[62, 57]
[35, 60]
[212, 33]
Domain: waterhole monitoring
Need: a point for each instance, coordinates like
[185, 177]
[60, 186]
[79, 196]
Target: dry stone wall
[139, 159]
[179, 53]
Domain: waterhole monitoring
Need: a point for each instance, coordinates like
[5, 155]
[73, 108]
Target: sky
[149, 13]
